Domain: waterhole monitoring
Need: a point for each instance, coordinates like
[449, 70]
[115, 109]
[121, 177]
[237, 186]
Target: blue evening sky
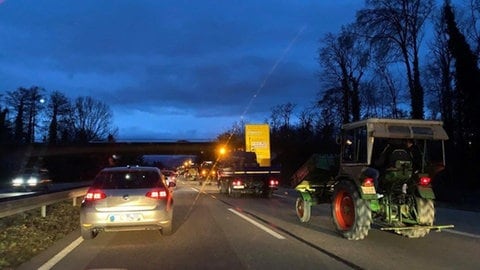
[171, 69]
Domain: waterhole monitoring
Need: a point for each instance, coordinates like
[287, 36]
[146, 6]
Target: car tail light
[157, 194]
[273, 182]
[368, 182]
[425, 180]
[237, 182]
[95, 194]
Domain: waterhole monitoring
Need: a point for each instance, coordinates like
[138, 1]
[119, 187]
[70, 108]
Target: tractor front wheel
[303, 209]
[351, 215]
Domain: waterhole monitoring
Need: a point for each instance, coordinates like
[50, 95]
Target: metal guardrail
[12, 207]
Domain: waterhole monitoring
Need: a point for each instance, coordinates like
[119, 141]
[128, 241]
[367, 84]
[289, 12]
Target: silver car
[125, 199]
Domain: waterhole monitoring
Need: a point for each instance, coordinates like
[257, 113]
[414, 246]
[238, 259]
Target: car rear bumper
[125, 221]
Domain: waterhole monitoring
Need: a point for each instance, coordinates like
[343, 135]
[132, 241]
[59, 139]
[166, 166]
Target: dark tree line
[34, 115]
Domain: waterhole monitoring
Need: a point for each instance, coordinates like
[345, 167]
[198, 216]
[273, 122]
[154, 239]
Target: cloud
[193, 61]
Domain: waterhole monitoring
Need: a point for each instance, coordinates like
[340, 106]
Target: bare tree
[330, 106]
[395, 27]
[440, 76]
[344, 59]
[26, 104]
[472, 17]
[281, 115]
[307, 119]
[92, 119]
[59, 112]
[234, 138]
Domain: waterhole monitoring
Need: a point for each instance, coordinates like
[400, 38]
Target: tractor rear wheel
[425, 216]
[351, 215]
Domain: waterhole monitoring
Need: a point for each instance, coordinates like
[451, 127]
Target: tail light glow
[237, 182]
[94, 195]
[368, 182]
[273, 182]
[425, 180]
[157, 194]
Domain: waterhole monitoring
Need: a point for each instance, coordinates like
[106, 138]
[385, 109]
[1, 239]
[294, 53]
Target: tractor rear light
[157, 194]
[425, 180]
[94, 195]
[368, 182]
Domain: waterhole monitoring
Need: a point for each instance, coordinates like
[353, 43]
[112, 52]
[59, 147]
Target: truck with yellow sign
[384, 175]
[249, 171]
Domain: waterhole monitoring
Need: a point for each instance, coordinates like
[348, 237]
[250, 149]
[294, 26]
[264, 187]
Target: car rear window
[127, 180]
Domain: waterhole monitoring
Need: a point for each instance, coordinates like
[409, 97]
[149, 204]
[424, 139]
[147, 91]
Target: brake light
[94, 195]
[273, 182]
[425, 180]
[157, 194]
[368, 182]
[237, 182]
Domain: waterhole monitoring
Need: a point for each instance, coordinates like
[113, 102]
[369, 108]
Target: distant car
[207, 171]
[170, 176]
[126, 199]
[192, 174]
[32, 179]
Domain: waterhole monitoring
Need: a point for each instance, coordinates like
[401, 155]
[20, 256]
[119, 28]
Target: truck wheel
[303, 209]
[351, 215]
[267, 193]
[232, 193]
[221, 187]
[425, 216]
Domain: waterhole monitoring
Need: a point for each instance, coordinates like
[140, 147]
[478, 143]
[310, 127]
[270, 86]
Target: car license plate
[239, 187]
[125, 217]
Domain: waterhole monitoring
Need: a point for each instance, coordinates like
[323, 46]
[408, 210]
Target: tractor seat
[400, 166]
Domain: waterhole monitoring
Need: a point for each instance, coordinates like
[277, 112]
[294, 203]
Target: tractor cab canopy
[401, 128]
[365, 138]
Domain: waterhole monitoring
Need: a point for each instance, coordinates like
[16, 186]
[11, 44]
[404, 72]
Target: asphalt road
[212, 231]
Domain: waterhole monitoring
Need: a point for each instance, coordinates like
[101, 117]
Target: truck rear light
[368, 182]
[94, 195]
[273, 182]
[237, 182]
[425, 180]
[157, 194]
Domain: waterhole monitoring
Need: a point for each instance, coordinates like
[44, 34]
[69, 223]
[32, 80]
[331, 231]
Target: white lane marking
[266, 229]
[51, 263]
[462, 233]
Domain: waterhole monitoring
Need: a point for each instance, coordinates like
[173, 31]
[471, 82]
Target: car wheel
[168, 228]
[88, 234]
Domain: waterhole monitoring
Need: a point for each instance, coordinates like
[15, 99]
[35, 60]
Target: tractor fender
[306, 196]
[425, 192]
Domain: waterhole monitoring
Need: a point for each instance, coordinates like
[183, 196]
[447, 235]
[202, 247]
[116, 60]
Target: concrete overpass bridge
[202, 149]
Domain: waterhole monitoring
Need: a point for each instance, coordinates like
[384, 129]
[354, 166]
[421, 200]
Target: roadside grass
[24, 235]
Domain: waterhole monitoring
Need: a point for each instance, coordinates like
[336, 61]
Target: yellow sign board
[257, 139]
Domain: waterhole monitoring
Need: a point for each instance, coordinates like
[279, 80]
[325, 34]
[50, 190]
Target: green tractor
[396, 195]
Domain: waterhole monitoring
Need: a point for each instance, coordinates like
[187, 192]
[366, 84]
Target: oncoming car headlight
[32, 181]
[17, 181]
